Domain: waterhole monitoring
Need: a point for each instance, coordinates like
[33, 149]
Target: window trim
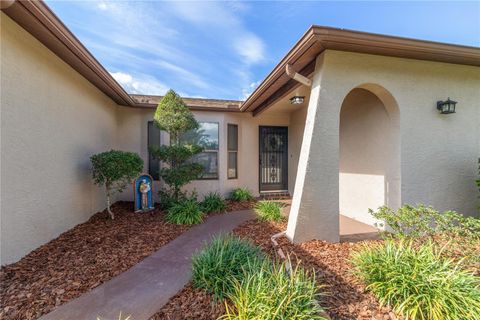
[212, 151]
[232, 151]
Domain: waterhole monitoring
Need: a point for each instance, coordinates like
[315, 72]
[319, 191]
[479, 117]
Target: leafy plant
[186, 211]
[410, 221]
[269, 211]
[417, 282]
[213, 202]
[114, 170]
[225, 260]
[241, 194]
[174, 117]
[272, 293]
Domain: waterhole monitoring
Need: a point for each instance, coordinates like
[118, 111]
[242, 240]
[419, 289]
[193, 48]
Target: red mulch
[191, 303]
[345, 298]
[237, 206]
[81, 259]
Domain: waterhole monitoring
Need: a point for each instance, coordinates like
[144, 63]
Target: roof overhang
[317, 39]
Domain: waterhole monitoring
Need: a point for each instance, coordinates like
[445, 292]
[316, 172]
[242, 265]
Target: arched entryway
[369, 161]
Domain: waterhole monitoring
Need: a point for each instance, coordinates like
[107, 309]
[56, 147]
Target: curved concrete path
[146, 287]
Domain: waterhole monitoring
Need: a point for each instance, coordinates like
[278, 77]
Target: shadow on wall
[369, 165]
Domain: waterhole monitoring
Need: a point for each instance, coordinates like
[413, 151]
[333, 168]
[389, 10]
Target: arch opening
[369, 159]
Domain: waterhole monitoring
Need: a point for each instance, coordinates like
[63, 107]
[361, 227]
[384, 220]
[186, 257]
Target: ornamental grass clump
[241, 194]
[225, 260]
[269, 211]
[186, 211]
[417, 282]
[272, 293]
[213, 202]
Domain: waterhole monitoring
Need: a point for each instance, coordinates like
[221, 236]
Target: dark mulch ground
[345, 297]
[81, 259]
[191, 303]
[237, 206]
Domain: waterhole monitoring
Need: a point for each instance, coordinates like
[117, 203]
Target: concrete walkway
[145, 288]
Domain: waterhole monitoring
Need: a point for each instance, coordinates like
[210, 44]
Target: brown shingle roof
[149, 101]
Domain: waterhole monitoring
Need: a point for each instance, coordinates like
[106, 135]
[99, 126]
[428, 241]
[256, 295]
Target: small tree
[115, 169]
[174, 117]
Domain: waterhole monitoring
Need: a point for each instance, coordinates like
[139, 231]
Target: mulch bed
[81, 259]
[237, 206]
[344, 297]
[191, 303]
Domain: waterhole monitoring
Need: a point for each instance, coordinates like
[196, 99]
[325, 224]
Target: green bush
[173, 116]
[241, 194]
[185, 211]
[417, 282]
[269, 211]
[224, 260]
[115, 170]
[410, 221]
[271, 293]
[213, 202]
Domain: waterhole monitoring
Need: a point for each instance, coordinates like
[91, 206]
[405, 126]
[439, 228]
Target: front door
[273, 158]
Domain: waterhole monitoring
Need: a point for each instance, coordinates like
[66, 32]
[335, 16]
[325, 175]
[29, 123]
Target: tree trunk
[108, 205]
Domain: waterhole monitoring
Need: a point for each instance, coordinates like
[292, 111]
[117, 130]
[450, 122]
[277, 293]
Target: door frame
[285, 189]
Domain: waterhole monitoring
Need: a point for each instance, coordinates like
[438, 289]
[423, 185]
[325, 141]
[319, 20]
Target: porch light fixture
[297, 100]
[447, 106]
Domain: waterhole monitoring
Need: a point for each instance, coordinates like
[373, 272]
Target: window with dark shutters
[153, 140]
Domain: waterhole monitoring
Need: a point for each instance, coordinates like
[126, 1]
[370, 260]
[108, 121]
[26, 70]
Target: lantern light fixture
[297, 99]
[446, 107]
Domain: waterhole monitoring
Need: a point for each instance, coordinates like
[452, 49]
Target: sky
[225, 49]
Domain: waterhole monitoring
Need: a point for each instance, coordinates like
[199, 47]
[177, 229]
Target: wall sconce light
[297, 100]
[447, 106]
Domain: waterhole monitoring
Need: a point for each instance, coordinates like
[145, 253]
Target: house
[345, 122]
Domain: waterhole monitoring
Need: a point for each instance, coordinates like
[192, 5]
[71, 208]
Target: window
[207, 137]
[153, 140]
[232, 138]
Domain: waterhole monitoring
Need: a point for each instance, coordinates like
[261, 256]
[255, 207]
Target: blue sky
[224, 49]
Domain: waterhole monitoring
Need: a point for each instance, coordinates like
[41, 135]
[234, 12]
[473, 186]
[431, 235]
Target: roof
[37, 19]
[149, 101]
[317, 39]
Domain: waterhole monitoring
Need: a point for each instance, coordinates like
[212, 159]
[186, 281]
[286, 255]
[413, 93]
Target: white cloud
[102, 6]
[250, 47]
[139, 84]
[246, 92]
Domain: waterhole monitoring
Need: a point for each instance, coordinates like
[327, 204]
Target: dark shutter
[153, 140]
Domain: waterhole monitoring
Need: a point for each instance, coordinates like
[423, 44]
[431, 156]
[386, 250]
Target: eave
[317, 39]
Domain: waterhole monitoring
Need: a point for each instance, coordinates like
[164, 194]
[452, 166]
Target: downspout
[297, 76]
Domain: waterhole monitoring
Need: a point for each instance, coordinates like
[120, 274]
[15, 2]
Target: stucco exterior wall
[52, 121]
[366, 138]
[133, 137]
[438, 153]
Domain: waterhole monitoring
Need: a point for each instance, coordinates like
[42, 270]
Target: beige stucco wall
[133, 137]
[52, 120]
[438, 153]
[366, 138]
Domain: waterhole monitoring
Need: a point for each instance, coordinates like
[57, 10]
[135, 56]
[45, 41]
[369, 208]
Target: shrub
[417, 283]
[115, 170]
[241, 194]
[224, 260]
[269, 211]
[409, 221]
[213, 202]
[174, 117]
[186, 211]
[272, 293]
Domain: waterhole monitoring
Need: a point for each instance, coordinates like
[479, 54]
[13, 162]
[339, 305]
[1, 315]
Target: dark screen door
[273, 158]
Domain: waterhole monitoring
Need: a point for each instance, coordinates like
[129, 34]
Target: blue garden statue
[143, 191]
